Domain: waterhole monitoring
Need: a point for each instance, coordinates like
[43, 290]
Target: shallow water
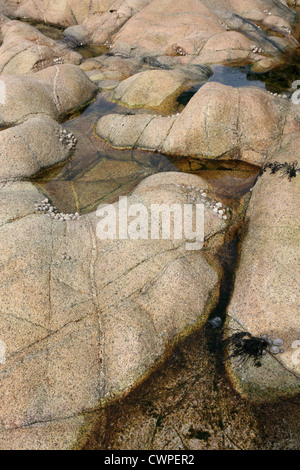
[98, 173]
[278, 80]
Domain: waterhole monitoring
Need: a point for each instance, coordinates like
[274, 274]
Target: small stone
[216, 322]
[278, 342]
[275, 350]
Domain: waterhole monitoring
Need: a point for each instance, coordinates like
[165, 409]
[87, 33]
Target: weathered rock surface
[188, 29]
[150, 89]
[26, 50]
[99, 27]
[61, 12]
[265, 299]
[107, 67]
[40, 143]
[56, 90]
[219, 121]
[86, 326]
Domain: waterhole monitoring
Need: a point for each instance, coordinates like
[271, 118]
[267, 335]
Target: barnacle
[246, 346]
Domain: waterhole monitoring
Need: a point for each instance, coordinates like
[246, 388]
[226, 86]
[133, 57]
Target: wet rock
[264, 299]
[54, 92]
[86, 329]
[26, 50]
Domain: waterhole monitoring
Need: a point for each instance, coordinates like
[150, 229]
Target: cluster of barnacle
[179, 51]
[108, 44]
[201, 196]
[285, 97]
[256, 50]
[267, 12]
[224, 25]
[67, 138]
[58, 60]
[244, 346]
[52, 212]
[287, 169]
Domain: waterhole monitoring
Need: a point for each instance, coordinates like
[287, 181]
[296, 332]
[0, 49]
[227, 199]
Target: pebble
[278, 342]
[216, 322]
[274, 349]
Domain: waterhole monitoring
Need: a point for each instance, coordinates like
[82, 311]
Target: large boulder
[151, 89]
[265, 296]
[25, 49]
[99, 27]
[84, 319]
[39, 141]
[219, 121]
[54, 92]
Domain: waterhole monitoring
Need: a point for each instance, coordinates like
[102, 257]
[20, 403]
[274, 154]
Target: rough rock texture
[111, 67]
[187, 30]
[62, 12]
[26, 50]
[265, 298]
[87, 326]
[219, 121]
[56, 90]
[37, 140]
[191, 28]
[99, 27]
